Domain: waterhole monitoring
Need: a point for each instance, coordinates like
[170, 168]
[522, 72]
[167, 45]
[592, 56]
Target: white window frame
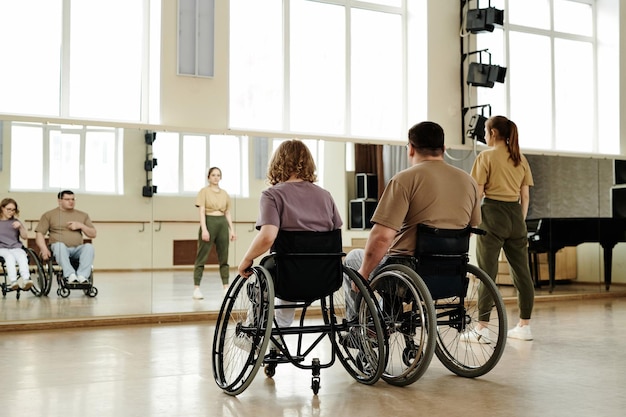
[601, 106]
[177, 163]
[82, 132]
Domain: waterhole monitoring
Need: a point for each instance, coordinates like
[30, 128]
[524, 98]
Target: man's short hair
[64, 192]
[427, 137]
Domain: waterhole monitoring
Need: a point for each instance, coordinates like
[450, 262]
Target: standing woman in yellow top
[503, 176]
[216, 227]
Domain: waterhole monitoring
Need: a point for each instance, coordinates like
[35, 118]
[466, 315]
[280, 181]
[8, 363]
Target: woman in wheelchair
[11, 248]
[292, 203]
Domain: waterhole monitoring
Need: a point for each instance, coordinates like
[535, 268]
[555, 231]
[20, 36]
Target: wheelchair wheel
[49, 275]
[63, 292]
[457, 318]
[359, 338]
[410, 322]
[91, 292]
[37, 274]
[243, 331]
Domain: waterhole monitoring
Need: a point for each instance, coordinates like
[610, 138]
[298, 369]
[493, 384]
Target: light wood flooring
[574, 367]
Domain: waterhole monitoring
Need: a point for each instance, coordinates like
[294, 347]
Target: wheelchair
[306, 271]
[430, 301]
[37, 275]
[52, 270]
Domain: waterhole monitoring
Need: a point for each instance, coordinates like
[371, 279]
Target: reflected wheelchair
[37, 275]
[432, 302]
[52, 270]
[305, 270]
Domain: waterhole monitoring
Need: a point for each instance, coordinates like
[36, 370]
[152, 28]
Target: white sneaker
[27, 284]
[72, 278]
[81, 279]
[14, 285]
[520, 332]
[244, 342]
[197, 294]
[477, 336]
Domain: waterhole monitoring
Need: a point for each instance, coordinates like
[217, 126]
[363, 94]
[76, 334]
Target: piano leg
[607, 248]
[552, 268]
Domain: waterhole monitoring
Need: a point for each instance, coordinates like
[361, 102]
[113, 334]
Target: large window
[183, 161]
[47, 157]
[79, 58]
[553, 87]
[326, 67]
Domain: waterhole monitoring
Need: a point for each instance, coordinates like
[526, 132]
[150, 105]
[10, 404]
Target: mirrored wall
[146, 246]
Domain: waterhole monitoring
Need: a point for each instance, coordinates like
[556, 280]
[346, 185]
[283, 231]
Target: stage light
[481, 74]
[149, 164]
[476, 129]
[150, 137]
[483, 20]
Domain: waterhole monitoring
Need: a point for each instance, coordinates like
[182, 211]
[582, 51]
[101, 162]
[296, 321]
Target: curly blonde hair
[291, 157]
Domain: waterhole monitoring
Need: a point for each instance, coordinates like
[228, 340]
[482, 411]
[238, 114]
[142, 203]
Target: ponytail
[507, 130]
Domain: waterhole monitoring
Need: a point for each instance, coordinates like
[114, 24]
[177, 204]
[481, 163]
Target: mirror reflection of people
[65, 227]
[292, 203]
[504, 177]
[216, 228]
[11, 248]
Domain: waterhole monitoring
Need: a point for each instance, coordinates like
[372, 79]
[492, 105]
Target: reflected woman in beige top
[216, 227]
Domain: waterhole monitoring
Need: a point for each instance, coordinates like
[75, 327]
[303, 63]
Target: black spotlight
[149, 164]
[483, 20]
[485, 75]
[149, 190]
[476, 129]
[150, 137]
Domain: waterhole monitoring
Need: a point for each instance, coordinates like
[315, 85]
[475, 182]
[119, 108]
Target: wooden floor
[574, 367]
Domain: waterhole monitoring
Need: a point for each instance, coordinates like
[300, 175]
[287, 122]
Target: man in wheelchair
[429, 192]
[66, 226]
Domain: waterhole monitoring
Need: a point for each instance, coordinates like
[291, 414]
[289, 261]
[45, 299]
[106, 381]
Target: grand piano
[548, 235]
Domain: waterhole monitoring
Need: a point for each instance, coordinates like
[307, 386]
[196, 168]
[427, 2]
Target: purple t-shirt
[9, 237]
[298, 206]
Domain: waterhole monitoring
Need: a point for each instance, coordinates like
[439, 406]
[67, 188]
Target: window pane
[165, 149]
[396, 3]
[531, 89]
[376, 74]
[26, 157]
[106, 65]
[31, 66]
[194, 168]
[318, 69]
[574, 95]
[221, 149]
[100, 165]
[256, 64]
[64, 160]
[532, 13]
[573, 17]
[495, 96]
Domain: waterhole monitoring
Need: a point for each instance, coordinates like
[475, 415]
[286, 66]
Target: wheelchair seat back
[441, 259]
[306, 266]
